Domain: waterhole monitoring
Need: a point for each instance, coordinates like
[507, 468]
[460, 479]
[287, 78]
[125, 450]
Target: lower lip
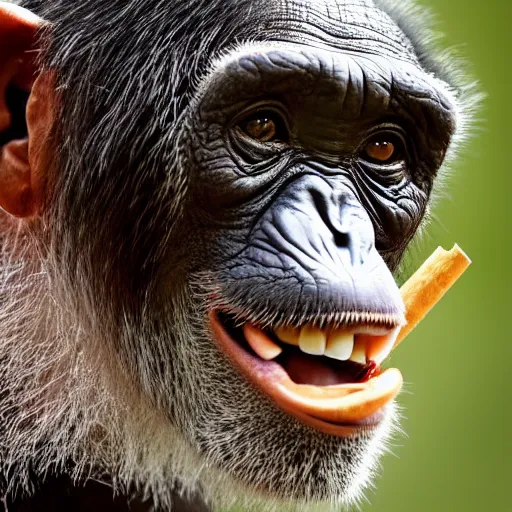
[260, 373]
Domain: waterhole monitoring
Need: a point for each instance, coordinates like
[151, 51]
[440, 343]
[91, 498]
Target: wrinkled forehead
[345, 25]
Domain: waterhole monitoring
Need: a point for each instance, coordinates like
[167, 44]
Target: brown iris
[380, 151]
[262, 129]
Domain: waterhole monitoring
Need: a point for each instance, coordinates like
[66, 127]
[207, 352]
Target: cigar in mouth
[428, 285]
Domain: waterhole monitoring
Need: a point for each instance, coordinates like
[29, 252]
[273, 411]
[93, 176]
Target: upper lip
[337, 409]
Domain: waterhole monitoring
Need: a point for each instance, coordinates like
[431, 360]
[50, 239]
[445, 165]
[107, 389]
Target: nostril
[341, 239]
[332, 211]
[348, 227]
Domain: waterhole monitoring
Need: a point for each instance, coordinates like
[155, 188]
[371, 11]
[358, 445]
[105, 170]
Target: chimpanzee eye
[264, 127]
[384, 148]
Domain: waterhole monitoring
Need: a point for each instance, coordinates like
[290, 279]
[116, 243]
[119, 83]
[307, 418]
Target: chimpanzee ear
[22, 113]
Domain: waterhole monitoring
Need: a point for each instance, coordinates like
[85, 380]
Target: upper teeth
[338, 344]
[312, 341]
[289, 335]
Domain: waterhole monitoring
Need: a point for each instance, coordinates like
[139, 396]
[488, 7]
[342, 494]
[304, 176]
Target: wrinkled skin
[161, 209]
[316, 187]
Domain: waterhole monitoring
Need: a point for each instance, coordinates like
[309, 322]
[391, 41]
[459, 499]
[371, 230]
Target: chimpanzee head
[207, 201]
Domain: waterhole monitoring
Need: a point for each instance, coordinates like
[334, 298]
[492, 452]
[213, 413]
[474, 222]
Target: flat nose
[327, 218]
[345, 218]
[313, 251]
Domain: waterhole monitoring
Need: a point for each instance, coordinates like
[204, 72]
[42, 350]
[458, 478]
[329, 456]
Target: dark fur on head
[104, 358]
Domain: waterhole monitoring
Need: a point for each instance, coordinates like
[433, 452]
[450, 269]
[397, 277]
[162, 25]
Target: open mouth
[330, 378]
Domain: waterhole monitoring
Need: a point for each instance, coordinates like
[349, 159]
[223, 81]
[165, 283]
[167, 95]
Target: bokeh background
[457, 455]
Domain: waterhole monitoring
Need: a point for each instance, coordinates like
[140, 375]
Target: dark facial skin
[310, 212]
[165, 204]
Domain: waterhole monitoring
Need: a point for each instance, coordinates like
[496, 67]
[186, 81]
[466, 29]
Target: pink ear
[18, 29]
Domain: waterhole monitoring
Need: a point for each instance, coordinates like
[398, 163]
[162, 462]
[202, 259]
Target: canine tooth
[261, 343]
[339, 345]
[312, 340]
[359, 353]
[289, 335]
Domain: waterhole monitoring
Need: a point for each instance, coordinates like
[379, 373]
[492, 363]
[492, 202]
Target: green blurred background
[457, 455]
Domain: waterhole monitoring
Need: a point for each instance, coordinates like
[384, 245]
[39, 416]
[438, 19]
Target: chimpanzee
[203, 205]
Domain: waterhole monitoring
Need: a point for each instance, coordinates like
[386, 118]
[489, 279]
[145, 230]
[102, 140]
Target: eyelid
[263, 107]
[282, 135]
